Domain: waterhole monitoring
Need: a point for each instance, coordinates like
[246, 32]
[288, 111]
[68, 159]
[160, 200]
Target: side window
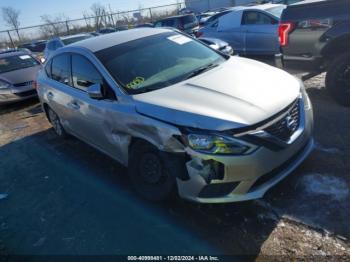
[48, 68]
[60, 69]
[50, 45]
[158, 24]
[169, 23]
[256, 18]
[84, 73]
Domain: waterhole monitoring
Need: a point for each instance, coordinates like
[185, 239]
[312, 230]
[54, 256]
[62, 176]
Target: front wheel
[150, 173]
[338, 79]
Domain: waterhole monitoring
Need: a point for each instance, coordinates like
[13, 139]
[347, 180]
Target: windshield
[13, 63]
[157, 61]
[75, 39]
[276, 11]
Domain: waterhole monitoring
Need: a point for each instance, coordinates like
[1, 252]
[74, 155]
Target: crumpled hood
[238, 93]
[21, 75]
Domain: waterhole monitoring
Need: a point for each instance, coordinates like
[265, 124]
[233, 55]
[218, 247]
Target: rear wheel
[56, 123]
[338, 79]
[150, 173]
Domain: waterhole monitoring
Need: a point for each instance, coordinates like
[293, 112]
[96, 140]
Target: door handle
[50, 95]
[74, 105]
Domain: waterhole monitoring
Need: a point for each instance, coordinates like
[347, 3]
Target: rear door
[261, 33]
[59, 93]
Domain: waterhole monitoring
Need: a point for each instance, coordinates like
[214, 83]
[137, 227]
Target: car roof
[263, 7]
[175, 17]
[307, 2]
[66, 37]
[101, 42]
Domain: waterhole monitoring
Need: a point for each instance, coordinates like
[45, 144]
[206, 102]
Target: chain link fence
[88, 23]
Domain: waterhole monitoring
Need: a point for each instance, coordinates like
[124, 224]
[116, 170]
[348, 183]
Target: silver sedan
[181, 116]
[18, 70]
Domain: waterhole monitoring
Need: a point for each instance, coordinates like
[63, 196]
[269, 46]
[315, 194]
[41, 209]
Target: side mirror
[95, 91]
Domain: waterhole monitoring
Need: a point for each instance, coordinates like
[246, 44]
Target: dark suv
[315, 38]
[187, 23]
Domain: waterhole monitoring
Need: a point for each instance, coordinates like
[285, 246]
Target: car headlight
[4, 85]
[304, 95]
[212, 144]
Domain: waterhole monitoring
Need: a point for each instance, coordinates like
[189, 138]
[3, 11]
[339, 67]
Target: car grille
[29, 83]
[288, 125]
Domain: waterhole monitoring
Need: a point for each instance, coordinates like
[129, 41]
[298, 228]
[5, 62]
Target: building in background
[199, 6]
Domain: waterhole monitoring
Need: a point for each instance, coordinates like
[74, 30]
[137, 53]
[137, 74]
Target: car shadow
[17, 106]
[64, 197]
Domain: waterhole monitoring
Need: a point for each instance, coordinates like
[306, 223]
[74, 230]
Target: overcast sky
[31, 10]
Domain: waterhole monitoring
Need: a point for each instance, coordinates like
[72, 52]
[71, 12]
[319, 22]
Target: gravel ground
[63, 197]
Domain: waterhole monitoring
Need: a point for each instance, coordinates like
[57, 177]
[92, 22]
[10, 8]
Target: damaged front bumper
[243, 177]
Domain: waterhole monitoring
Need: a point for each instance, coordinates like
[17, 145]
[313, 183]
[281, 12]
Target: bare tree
[111, 16]
[87, 19]
[11, 18]
[54, 25]
[99, 13]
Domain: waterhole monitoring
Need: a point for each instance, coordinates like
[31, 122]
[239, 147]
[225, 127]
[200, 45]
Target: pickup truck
[314, 37]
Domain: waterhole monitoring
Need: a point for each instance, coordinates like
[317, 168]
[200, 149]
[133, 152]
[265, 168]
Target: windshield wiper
[152, 87]
[201, 70]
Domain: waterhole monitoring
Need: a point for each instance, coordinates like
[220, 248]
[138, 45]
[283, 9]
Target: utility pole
[12, 43]
[67, 26]
[150, 13]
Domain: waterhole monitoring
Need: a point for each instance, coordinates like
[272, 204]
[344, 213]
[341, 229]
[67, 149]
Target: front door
[261, 33]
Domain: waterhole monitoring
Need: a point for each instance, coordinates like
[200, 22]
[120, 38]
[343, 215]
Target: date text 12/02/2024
[173, 258]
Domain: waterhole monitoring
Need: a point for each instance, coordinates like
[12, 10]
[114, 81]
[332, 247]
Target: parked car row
[58, 42]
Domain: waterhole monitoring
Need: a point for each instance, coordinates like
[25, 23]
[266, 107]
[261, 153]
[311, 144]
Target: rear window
[75, 39]
[13, 63]
[166, 23]
[216, 16]
[276, 11]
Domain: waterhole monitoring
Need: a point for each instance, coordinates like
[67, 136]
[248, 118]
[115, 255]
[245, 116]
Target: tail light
[198, 34]
[283, 31]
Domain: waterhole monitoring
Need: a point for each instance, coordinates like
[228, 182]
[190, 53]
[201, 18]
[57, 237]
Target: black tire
[150, 172]
[56, 123]
[338, 79]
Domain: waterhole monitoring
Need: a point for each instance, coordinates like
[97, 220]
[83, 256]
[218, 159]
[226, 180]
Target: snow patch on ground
[320, 184]
[330, 150]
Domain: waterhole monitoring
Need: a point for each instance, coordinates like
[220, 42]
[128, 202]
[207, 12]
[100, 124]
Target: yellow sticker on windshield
[135, 83]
